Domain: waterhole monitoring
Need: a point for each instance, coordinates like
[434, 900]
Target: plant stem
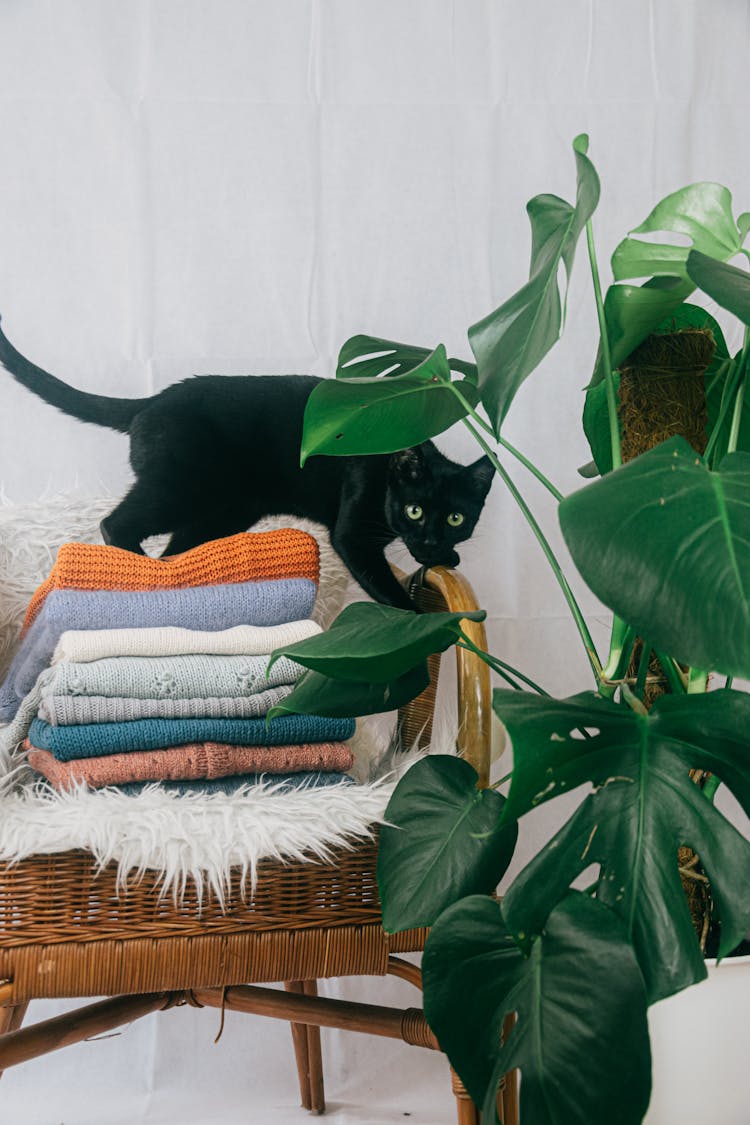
[588, 643]
[739, 401]
[633, 702]
[619, 628]
[712, 783]
[532, 468]
[485, 656]
[500, 666]
[640, 681]
[614, 427]
[726, 397]
[507, 445]
[620, 647]
[697, 681]
[675, 677]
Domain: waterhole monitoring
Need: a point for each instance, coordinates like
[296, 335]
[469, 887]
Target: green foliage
[633, 312]
[347, 417]
[379, 643]
[659, 540]
[370, 356]
[664, 542]
[702, 214]
[595, 415]
[316, 694]
[729, 286]
[644, 806]
[582, 1060]
[446, 833]
[510, 342]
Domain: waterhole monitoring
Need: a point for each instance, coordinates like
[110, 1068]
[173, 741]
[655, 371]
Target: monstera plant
[664, 542]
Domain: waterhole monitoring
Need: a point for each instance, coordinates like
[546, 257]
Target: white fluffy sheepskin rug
[196, 838]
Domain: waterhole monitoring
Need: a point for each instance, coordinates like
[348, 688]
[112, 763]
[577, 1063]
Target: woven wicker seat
[68, 930]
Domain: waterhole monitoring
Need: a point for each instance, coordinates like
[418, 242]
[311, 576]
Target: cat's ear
[482, 474]
[408, 463]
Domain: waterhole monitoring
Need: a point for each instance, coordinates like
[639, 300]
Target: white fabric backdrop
[238, 186]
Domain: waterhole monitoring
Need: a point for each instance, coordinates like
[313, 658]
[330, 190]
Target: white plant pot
[699, 1046]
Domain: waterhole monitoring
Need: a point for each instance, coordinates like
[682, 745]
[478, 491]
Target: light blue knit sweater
[204, 607]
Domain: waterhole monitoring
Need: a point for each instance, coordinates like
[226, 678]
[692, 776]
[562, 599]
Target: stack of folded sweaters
[133, 670]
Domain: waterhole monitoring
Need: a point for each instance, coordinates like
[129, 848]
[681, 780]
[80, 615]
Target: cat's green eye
[455, 519]
[413, 511]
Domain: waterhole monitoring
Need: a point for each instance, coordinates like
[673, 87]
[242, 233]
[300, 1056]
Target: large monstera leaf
[666, 545]
[369, 641]
[581, 1036]
[351, 417]
[316, 694]
[371, 356]
[442, 840]
[643, 808]
[701, 214]
[729, 286]
[510, 342]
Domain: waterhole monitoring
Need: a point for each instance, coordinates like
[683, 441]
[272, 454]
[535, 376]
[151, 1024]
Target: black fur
[214, 453]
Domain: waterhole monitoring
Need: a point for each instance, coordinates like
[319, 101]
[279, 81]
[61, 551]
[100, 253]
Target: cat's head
[433, 503]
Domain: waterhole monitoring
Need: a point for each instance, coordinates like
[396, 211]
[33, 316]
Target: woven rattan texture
[116, 967]
[60, 898]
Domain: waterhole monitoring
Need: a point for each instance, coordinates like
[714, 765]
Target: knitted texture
[204, 607]
[196, 760]
[172, 677]
[276, 783]
[80, 646]
[246, 557]
[91, 740]
[69, 710]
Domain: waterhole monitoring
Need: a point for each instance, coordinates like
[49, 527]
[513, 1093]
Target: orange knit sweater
[246, 557]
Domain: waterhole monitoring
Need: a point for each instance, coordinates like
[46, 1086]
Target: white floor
[166, 1069]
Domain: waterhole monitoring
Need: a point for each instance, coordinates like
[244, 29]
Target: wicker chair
[66, 930]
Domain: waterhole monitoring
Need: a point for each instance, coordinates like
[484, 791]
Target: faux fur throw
[196, 760]
[206, 607]
[243, 640]
[94, 739]
[286, 553]
[67, 710]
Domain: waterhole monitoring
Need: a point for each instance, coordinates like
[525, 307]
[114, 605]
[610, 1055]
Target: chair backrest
[436, 590]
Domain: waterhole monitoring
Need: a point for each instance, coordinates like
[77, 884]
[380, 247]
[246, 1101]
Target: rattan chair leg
[509, 1094]
[60, 1031]
[11, 1019]
[467, 1112]
[395, 1023]
[315, 1057]
[307, 1051]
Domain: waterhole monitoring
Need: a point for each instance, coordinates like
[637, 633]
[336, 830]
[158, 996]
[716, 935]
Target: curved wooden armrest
[443, 589]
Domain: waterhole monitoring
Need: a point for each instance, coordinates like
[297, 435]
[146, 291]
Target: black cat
[214, 453]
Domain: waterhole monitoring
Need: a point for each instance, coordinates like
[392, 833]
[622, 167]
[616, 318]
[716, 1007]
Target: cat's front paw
[452, 559]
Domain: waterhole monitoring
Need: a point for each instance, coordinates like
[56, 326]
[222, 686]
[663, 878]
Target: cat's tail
[116, 413]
